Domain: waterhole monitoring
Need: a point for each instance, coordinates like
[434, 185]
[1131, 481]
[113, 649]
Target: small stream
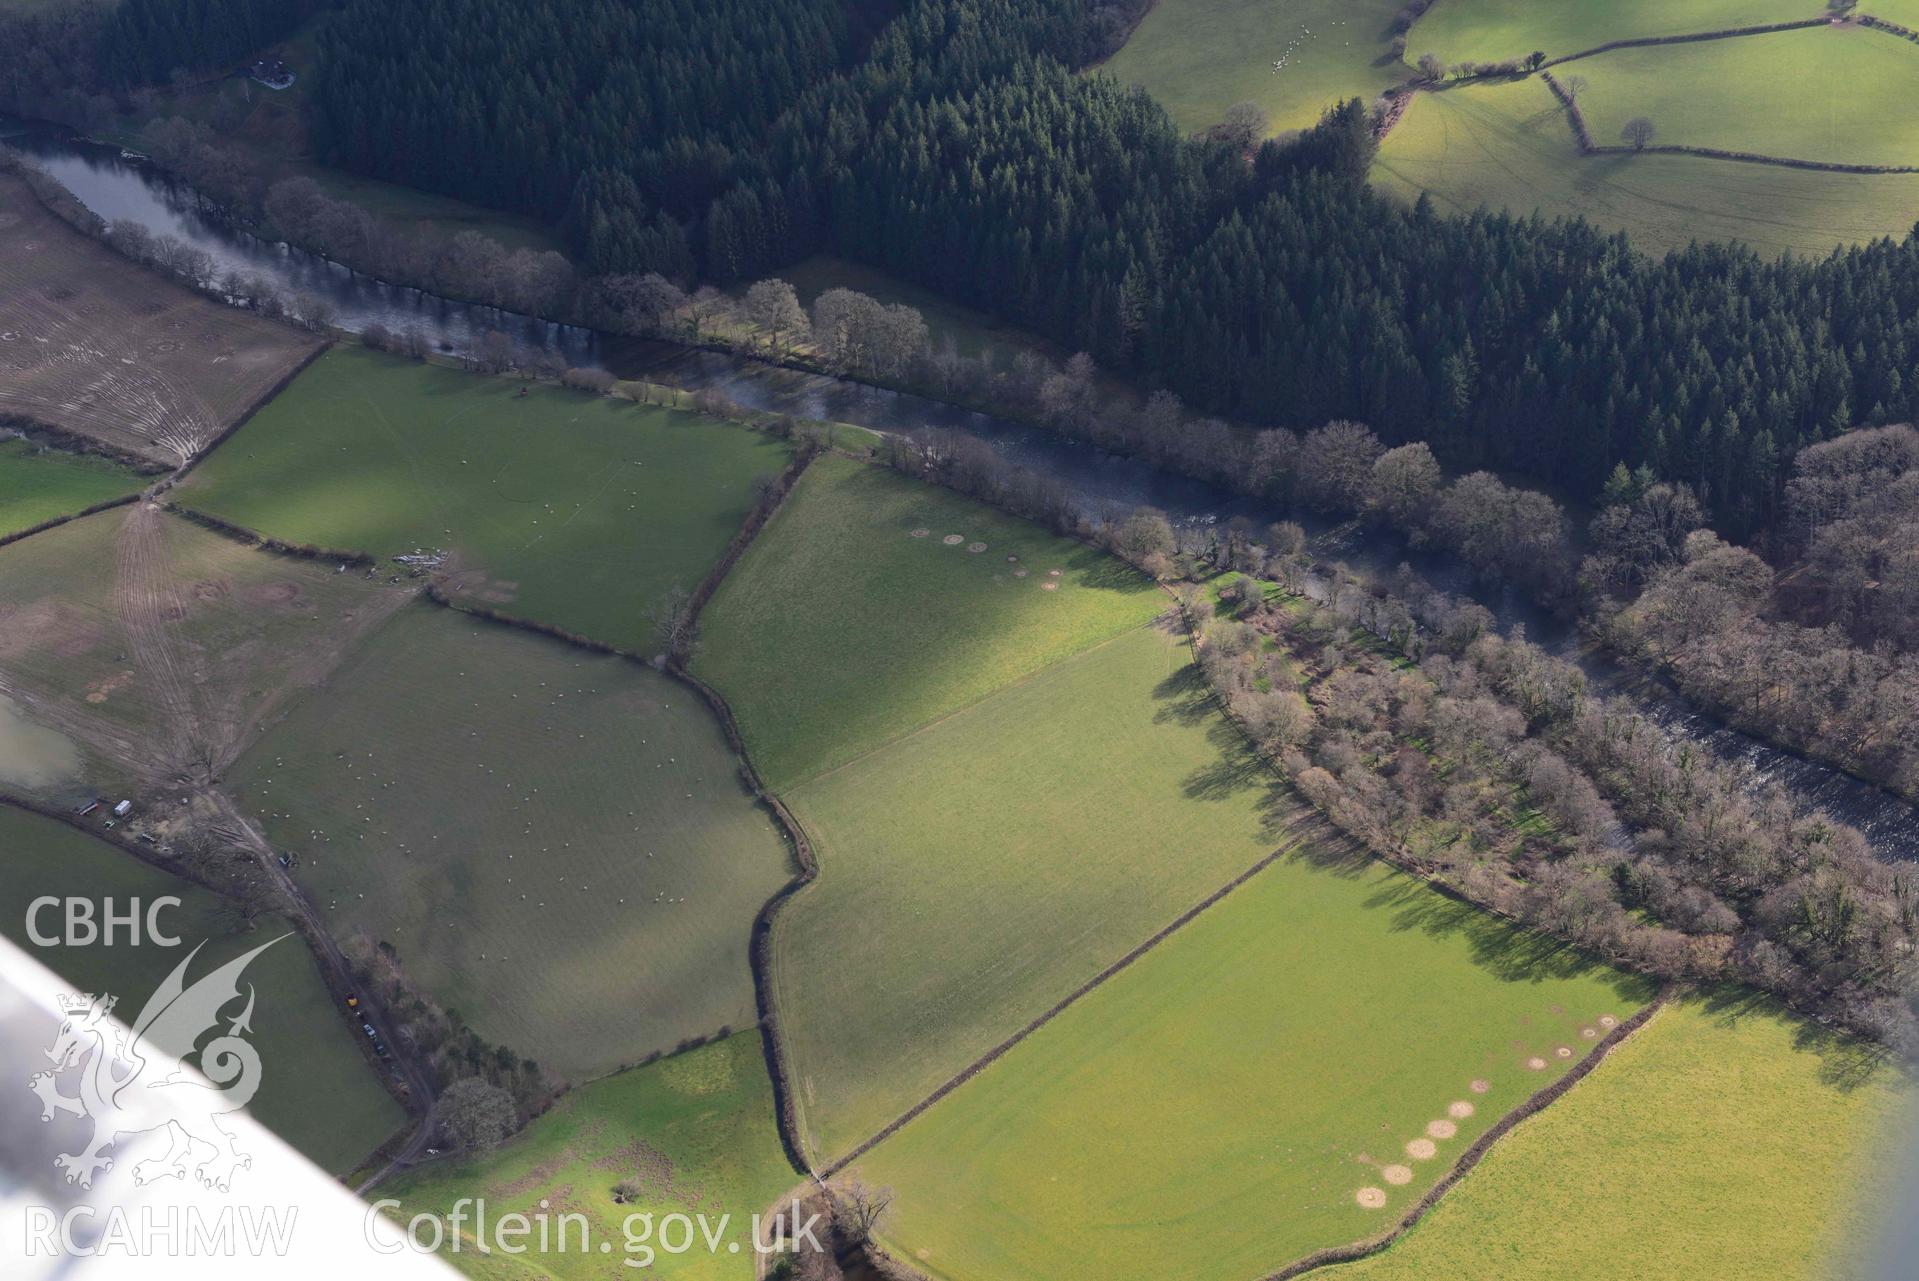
[1103, 484]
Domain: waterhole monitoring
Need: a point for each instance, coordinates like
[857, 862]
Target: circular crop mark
[1563, 1051]
[921, 532]
[1049, 585]
[1371, 1198]
[1481, 1085]
[1012, 560]
[1536, 1064]
[1590, 1033]
[1441, 1129]
[1019, 573]
[1054, 573]
[1397, 1175]
[953, 540]
[976, 548]
[1421, 1149]
[1459, 1111]
[1608, 1022]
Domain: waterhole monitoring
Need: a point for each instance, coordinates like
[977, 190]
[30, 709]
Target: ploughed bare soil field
[91, 344]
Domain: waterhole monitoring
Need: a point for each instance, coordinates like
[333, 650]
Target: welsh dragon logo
[118, 1088]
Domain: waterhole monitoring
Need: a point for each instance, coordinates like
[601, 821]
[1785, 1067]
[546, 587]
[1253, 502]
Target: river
[1102, 483]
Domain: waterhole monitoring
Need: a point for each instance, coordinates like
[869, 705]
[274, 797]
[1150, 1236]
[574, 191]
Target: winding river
[1105, 484]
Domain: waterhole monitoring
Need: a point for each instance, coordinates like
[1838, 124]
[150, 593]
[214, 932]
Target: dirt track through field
[147, 602]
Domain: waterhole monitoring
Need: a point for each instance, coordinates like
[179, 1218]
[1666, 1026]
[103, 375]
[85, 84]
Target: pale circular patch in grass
[1020, 573]
[1050, 585]
[1608, 1022]
[1012, 560]
[1536, 1064]
[1590, 1033]
[1371, 1198]
[1481, 1085]
[1563, 1051]
[921, 532]
[953, 540]
[1460, 1110]
[1421, 1149]
[1441, 1129]
[1054, 573]
[976, 548]
[1397, 1174]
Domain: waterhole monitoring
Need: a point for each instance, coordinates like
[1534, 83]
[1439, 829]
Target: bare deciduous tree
[1637, 133]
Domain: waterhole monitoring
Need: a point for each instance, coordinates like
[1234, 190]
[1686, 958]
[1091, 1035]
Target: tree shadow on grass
[1846, 1062]
[1508, 951]
[1186, 698]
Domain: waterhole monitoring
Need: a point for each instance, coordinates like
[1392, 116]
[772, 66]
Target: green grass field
[38, 485]
[557, 842]
[976, 872]
[158, 645]
[840, 630]
[1720, 1143]
[1842, 95]
[1507, 146]
[316, 1090]
[1495, 30]
[1199, 57]
[572, 509]
[1229, 1099]
[696, 1132]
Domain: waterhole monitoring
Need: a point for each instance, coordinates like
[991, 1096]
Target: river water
[1103, 484]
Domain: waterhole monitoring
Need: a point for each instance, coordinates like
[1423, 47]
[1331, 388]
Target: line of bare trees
[1653, 850]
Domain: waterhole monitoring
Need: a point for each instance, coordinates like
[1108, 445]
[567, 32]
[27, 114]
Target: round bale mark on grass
[1536, 1064]
[921, 532]
[1481, 1085]
[1590, 1033]
[1012, 560]
[1397, 1174]
[1371, 1198]
[1563, 1051]
[976, 548]
[1019, 573]
[1421, 1149]
[1459, 1111]
[1054, 573]
[1608, 1022]
[953, 540]
[1441, 1129]
[1050, 585]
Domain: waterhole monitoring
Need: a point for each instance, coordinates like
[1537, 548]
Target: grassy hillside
[852, 620]
[1289, 1072]
[1726, 1138]
[1839, 95]
[576, 510]
[695, 1132]
[1495, 30]
[316, 1090]
[557, 843]
[38, 485]
[1199, 57]
[1507, 146]
[976, 872]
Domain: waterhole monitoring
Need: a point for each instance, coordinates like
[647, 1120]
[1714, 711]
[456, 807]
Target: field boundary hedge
[806, 865]
[1749, 157]
[72, 442]
[258, 403]
[254, 538]
[1696, 37]
[58, 521]
[1471, 1157]
[1889, 28]
[1582, 137]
